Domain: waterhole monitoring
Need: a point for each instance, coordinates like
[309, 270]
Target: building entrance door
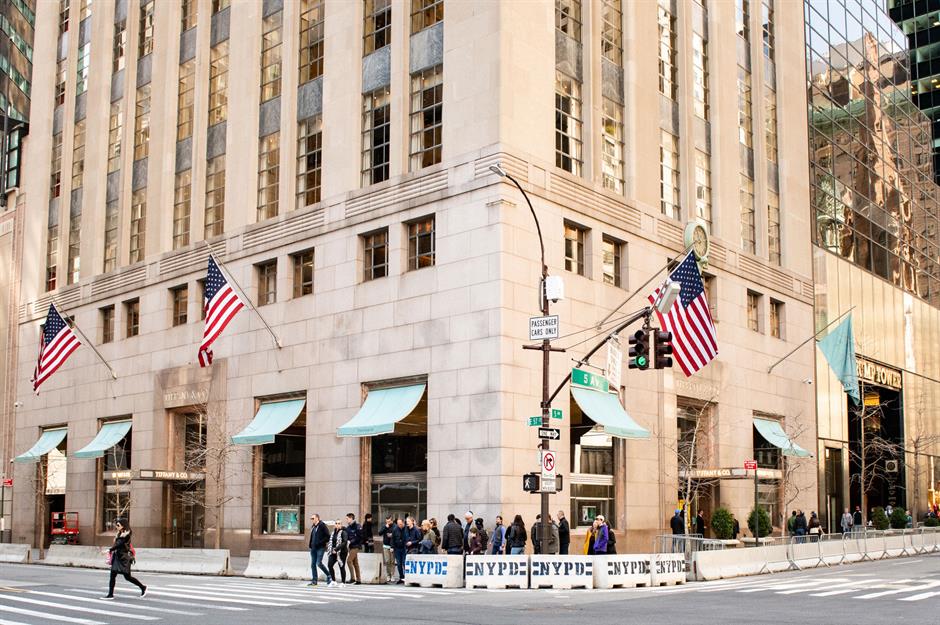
[185, 525]
[834, 500]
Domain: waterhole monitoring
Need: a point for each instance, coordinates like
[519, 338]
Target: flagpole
[245, 298]
[87, 340]
[792, 351]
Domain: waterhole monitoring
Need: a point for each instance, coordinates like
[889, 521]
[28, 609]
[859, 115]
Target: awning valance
[605, 409]
[108, 436]
[773, 433]
[49, 440]
[271, 419]
[383, 408]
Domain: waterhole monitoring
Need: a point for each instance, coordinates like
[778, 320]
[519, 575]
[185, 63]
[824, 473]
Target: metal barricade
[686, 544]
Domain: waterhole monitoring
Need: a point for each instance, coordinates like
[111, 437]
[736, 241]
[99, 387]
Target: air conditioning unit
[891, 466]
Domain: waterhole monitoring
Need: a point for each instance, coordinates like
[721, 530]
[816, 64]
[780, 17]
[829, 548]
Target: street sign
[552, 434]
[548, 472]
[535, 421]
[580, 377]
[556, 413]
[750, 465]
[543, 328]
[8, 482]
[614, 360]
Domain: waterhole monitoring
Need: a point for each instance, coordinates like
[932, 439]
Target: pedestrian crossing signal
[531, 482]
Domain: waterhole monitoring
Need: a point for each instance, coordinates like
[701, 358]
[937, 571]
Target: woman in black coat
[121, 558]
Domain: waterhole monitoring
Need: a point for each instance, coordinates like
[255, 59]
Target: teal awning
[108, 436]
[605, 409]
[271, 419]
[773, 433]
[49, 440]
[384, 408]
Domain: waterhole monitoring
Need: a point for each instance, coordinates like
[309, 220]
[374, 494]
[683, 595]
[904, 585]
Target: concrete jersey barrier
[667, 568]
[296, 565]
[561, 571]
[149, 560]
[84, 556]
[434, 570]
[497, 571]
[14, 553]
[622, 570]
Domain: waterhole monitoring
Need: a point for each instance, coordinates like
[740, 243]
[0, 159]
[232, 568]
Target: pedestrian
[484, 537]
[677, 525]
[517, 537]
[552, 536]
[452, 538]
[468, 523]
[589, 539]
[368, 534]
[846, 522]
[600, 541]
[337, 552]
[354, 535]
[437, 532]
[388, 548]
[121, 555]
[908, 519]
[564, 533]
[700, 524]
[474, 541]
[800, 526]
[319, 541]
[412, 536]
[427, 538]
[537, 535]
[611, 539]
[735, 527]
[815, 527]
[498, 540]
[398, 544]
[858, 523]
[791, 523]
[888, 510]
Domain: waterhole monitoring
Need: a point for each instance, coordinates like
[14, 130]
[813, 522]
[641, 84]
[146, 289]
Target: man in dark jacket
[857, 521]
[354, 535]
[388, 547]
[319, 538]
[677, 523]
[468, 517]
[368, 531]
[398, 545]
[564, 533]
[452, 537]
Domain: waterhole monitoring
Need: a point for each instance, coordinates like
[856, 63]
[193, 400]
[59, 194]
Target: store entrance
[876, 441]
[834, 499]
[185, 525]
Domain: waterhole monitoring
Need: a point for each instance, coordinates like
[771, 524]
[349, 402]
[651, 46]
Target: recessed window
[269, 154]
[61, 67]
[421, 243]
[767, 27]
[131, 318]
[218, 83]
[145, 32]
[185, 99]
[427, 90]
[78, 154]
[612, 261]
[64, 16]
[309, 161]
[142, 123]
[311, 40]
[55, 177]
[770, 124]
[753, 311]
[138, 225]
[377, 28]
[188, 15]
[773, 228]
[700, 76]
[73, 262]
[179, 297]
[271, 56]
[612, 145]
[215, 196]
[119, 46]
[52, 246]
[574, 248]
[426, 13]
[115, 130]
[375, 248]
[568, 18]
[748, 227]
[267, 282]
[115, 495]
[669, 174]
[668, 74]
[703, 189]
[742, 18]
[776, 319]
[612, 31]
[82, 67]
[220, 5]
[745, 113]
[110, 236]
[568, 138]
[303, 273]
[182, 206]
[107, 324]
[376, 131]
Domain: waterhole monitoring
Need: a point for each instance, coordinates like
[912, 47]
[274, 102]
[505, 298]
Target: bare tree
[793, 484]
[42, 509]
[873, 450]
[692, 447]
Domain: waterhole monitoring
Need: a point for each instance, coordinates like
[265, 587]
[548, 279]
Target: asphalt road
[891, 591]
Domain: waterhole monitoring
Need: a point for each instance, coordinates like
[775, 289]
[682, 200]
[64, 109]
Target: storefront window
[400, 465]
[282, 483]
[592, 470]
[116, 495]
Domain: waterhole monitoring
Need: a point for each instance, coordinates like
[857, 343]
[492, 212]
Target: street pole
[756, 514]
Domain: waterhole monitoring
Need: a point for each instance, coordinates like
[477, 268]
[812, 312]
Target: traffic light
[531, 482]
[662, 349]
[640, 350]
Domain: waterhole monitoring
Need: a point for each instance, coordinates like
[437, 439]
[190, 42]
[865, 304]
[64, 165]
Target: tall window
[81, 69]
[215, 196]
[218, 83]
[745, 114]
[73, 264]
[110, 235]
[282, 465]
[776, 319]
[703, 189]
[63, 16]
[309, 160]
[375, 248]
[770, 124]
[55, 177]
[753, 311]
[375, 136]
[426, 117]
[138, 223]
[611, 260]
[61, 67]
[131, 318]
[568, 18]
[142, 123]
[267, 282]
[700, 75]
[115, 130]
[612, 31]
[767, 26]
[303, 273]
[748, 231]
[377, 27]
[78, 154]
[742, 18]
[52, 247]
[84, 10]
[421, 243]
[182, 206]
[668, 78]
[311, 40]
[574, 248]
[107, 324]
[268, 175]
[184, 100]
[116, 494]
[119, 46]
[612, 145]
[179, 298]
[220, 5]
[145, 32]
[773, 228]
[271, 56]
[567, 123]
[669, 174]
[426, 13]
[188, 14]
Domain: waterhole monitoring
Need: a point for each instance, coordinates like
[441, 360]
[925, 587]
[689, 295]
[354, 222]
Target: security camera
[806, 381]
[17, 404]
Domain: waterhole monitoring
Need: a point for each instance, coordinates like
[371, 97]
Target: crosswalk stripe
[286, 594]
[153, 600]
[897, 591]
[75, 608]
[123, 605]
[805, 586]
[845, 588]
[6, 622]
[213, 592]
[203, 597]
[52, 617]
[923, 595]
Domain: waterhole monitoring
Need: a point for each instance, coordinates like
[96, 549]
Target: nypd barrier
[434, 570]
[497, 571]
[296, 565]
[561, 571]
[622, 571]
[667, 568]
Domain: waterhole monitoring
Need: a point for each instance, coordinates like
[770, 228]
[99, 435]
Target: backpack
[484, 538]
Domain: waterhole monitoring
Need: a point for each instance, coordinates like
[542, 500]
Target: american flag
[222, 303]
[694, 339]
[56, 344]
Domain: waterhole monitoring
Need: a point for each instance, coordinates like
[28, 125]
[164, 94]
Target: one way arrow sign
[552, 434]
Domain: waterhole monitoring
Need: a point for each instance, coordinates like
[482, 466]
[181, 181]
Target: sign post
[748, 466]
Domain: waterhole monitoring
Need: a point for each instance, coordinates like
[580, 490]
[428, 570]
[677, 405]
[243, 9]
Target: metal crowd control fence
[687, 544]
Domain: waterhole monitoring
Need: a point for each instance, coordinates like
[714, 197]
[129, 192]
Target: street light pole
[545, 347]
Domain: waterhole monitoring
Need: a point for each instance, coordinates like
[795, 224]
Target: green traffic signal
[640, 350]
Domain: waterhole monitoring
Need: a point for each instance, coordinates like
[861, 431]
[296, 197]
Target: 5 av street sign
[552, 434]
